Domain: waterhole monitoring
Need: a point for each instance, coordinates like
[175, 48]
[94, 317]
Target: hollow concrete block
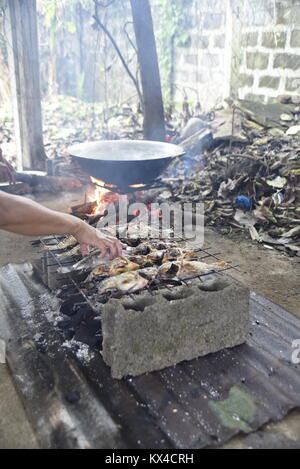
[152, 332]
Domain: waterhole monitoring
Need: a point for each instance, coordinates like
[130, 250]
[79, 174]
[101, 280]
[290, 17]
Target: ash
[81, 350]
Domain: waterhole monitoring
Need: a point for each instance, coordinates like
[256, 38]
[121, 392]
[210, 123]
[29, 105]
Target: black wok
[125, 163]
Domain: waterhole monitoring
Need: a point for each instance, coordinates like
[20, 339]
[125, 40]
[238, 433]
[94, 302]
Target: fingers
[89, 236]
[111, 243]
[84, 249]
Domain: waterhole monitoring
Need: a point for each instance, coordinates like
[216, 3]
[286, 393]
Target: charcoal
[73, 397]
[85, 335]
[68, 308]
[64, 324]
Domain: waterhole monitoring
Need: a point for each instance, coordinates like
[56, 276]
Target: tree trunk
[23, 55]
[154, 126]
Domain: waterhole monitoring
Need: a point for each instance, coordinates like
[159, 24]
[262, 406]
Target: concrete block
[295, 38]
[149, 333]
[250, 39]
[293, 84]
[213, 20]
[246, 80]
[255, 97]
[191, 59]
[274, 39]
[202, 42]
[287, 15]
[210, 60]
[269, 82]
[219, 41]
[257, 60]
[290, 61]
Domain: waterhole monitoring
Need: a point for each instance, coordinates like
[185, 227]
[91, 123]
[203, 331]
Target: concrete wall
[270, 49]
[245, 48]
[202, 68]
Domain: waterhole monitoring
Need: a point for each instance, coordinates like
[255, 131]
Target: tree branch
[112, 40]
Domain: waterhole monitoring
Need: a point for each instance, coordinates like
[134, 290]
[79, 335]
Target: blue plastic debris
[243, 203]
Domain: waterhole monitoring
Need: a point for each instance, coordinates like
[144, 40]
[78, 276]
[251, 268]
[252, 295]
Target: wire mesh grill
[67, 279]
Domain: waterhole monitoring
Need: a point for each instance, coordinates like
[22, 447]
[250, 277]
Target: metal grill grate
[68, 279]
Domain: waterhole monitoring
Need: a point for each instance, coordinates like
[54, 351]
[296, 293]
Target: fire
[137, 186]
[102, 196]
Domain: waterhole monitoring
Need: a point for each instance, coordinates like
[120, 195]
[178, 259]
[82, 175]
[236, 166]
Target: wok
[125, 163]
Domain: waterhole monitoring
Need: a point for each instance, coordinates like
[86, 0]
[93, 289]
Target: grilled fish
[120, 265]
[94, 259]
[65, 243]
[150, 273]
[169, 270]
[182, 269]
[127, 283]
[72, 252]
[190, 268]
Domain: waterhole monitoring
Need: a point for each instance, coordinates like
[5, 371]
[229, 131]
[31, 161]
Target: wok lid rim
[86, 150]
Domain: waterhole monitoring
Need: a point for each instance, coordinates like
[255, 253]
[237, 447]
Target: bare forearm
[21, 215]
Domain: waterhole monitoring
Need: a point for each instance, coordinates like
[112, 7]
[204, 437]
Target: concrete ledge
[153, 332]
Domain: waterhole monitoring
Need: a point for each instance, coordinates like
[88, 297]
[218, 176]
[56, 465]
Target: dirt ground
[267, 272]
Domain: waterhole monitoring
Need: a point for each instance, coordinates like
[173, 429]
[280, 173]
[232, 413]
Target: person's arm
[23, 216]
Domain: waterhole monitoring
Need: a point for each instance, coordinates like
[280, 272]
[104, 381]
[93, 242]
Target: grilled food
[183, 269]
[169, 270]
[94, 259]
[190, 268]
[150, 273]
[126, 283]
[120, 265]
[71, 252]
[65, 243]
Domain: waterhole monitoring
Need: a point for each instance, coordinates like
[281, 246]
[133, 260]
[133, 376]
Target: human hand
[87, 236]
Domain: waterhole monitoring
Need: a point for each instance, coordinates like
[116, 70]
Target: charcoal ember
[69, 333]
[66, 291]
[83, 313]
[68, 307]
[89, 334]
[64, 324]
[73, 397]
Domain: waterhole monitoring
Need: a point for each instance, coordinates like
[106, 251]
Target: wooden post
[23, 56]
[154, 126]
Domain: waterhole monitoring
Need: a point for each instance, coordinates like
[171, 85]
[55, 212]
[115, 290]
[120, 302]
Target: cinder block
[257, 60]
[250, 39]
[152, 332]
[274, 39]
[295, 38]
[291, 61]
[269, 82]
[246, 80]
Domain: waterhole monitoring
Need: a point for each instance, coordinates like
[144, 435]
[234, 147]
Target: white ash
[50, 307]
[81, 350]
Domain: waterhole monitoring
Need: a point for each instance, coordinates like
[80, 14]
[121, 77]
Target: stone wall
[270, 49]
[202, 67]
[245, 48]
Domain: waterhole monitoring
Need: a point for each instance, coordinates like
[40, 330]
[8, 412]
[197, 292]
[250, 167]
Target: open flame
[102, 196]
